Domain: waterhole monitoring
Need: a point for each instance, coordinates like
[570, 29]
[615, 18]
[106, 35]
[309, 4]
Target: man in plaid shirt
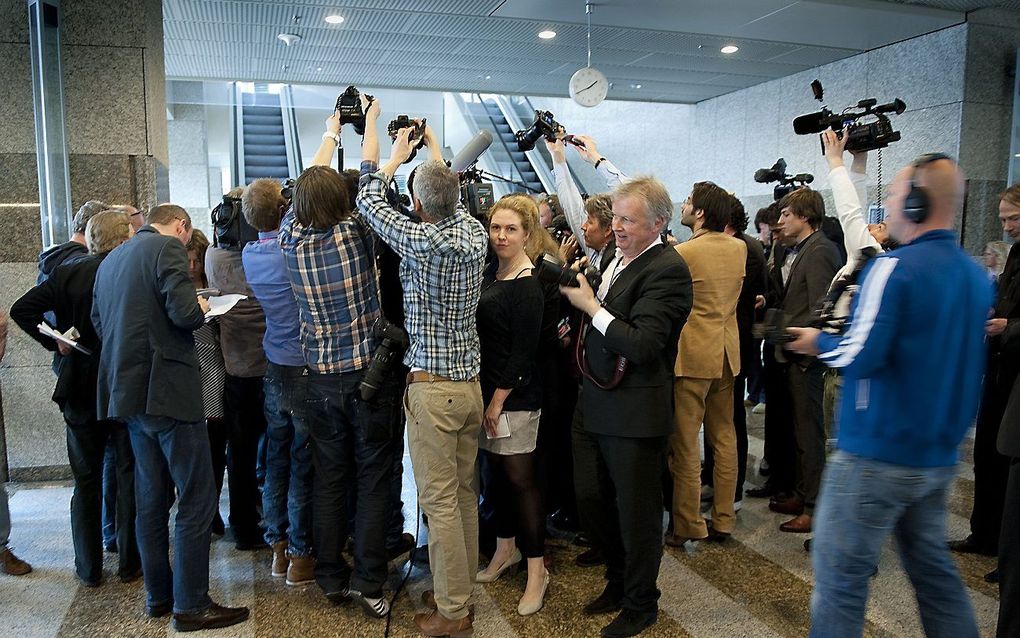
[441, 272]
[329, 253]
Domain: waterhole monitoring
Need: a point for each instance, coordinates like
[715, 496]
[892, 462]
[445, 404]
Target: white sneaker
[737, 505]
[758, 409]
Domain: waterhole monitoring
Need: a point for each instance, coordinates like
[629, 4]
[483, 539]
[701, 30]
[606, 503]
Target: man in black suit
[149, 377]
[992, 469]
[807, 272]
[629, 353]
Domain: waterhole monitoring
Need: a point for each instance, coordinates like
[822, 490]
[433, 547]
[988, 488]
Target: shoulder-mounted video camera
[863, 136]
[230, 229]
[787, 183]
[349, 106]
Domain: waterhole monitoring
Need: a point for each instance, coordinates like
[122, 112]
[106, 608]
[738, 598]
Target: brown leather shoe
[798, 525]
[434, 623]
[791, 506]
[676, 540]
[213, 617]
[280, 560]
[301, 570]
[12, 565]
[428, 598]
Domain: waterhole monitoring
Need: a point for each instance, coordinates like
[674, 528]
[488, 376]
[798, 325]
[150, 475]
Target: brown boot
[12, 565]
[280, 560]
[435, 624]
[301, 570]
[428, 597]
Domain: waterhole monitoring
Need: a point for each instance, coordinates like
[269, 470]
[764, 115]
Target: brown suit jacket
[710, 335]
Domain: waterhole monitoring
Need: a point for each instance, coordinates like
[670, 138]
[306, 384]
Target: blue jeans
[352, 446]
[5, 518]
[287, 495]
[862, 501]
[110, 495]
[169, 454]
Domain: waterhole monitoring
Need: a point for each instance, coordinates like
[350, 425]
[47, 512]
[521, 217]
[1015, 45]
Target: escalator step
[265, 160]
[251, 148]
[262, 120]
[263, 129]
[256, 172]
[274, 140]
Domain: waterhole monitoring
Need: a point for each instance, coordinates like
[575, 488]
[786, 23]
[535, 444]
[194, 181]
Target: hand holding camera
[833, 146]
[403, 145]
[333, 123]
[587, 149]
[370, 107]
[417, 135]
[557, 150]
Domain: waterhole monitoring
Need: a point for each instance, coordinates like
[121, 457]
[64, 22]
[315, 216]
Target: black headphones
[915, 205]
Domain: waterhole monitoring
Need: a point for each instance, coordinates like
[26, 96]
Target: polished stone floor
[757, 585]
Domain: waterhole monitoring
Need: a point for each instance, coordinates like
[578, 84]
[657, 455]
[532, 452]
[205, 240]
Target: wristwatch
[333, 136]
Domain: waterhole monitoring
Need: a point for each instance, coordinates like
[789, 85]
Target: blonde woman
[509, 322]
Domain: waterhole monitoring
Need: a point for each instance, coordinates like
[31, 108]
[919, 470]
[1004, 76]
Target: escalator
[265, 135]
[519, 160]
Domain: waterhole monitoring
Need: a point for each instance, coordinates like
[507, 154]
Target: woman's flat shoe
[485, 577]
[526, 608]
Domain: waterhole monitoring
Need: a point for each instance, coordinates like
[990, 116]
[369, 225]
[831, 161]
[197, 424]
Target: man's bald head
[943, 183]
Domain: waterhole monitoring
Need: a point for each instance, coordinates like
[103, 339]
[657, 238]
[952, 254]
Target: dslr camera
[550, 271]
[545, 125]
[863, 136]
[393, 341]
[402, 121]
[349, 106]
[787, 183]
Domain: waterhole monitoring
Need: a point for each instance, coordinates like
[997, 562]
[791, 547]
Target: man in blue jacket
[912, 361]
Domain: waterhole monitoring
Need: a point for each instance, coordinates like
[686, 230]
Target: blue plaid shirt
[332, 272]
[441, 272]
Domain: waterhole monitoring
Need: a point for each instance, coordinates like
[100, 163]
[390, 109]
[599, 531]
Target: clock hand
[588, 87]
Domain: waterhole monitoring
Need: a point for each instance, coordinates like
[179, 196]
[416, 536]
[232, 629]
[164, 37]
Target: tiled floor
[757, 585]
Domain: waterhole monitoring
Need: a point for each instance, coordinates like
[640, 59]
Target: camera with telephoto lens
[863, 136]
[402, 121]
[545, 125]
[287, 192]
[349, 106]
[550, 271]
[787, 183]
[393, 341]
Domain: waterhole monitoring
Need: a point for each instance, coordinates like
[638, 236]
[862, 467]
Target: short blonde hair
[107, 230]
[653, 193]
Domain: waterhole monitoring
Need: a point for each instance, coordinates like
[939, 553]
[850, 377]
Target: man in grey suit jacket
[811, 264]
[144, 311]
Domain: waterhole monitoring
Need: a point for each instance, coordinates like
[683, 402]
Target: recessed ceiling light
[635, 86]
[729, 48]
[548, 34]
[318, 68]
[488, 77]
[334, 19]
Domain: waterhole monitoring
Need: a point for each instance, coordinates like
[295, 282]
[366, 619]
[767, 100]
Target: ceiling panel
[670, 47]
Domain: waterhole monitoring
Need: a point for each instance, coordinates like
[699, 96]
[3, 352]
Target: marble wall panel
[189, 186]
[33, 425]
[20, 178]
[991, 63]
[985, 140]
[104, 92]
[17, 117]
[22, 234]
[761, 132]
[980, 221]
[103, 23]
[728, 141]
[923, 72]
[22, 351]
[14, 21]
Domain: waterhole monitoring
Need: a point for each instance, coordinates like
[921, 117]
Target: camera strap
[582, 361]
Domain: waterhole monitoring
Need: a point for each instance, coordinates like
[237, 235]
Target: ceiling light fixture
[548, 34]
[729, 48]
[635, 86]
[288, 38]
[334, 19]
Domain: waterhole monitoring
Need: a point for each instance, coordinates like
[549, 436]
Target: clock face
[588, 87]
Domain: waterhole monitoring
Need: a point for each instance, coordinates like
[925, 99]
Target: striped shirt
[441, 272]
[333, 276]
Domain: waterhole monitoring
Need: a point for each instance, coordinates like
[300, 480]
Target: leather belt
[421, 376]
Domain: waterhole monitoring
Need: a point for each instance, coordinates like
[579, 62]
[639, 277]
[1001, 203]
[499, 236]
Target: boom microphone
[471, 151]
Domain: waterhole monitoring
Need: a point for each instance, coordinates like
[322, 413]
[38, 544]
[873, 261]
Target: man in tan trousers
[709, 358]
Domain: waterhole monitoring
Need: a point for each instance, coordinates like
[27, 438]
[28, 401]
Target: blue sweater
[914, 355]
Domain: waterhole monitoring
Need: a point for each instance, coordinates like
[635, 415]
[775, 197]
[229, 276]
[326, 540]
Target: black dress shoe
[131, 577]
[404, 545]
[992, 576]
[609, 601]
[970, 545]
[160, 610]
[212, 617]
[111, 547]
[591, 558]
[582, 540]
[217, 526]
[764, 491]
[716, 536]
[629, 623]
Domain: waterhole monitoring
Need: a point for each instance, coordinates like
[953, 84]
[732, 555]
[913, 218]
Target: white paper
[220, 305]
[68, 338]
[502, 428]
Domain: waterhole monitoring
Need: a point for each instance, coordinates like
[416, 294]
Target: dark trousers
[991, 469]
[740, 426]
[751, 368]
[244, 423]
[109, 494]
[352, 442]
[588, 473]
[173, 454]
[780, 444]
[1009, 558]
[555, 469]
[807, 387]
[86, 448]
[628, 523]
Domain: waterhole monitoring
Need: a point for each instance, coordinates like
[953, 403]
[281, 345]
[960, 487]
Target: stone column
[115, 105]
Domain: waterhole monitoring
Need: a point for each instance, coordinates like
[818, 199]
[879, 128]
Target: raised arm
[590, 153]
[370, 143]
[324, 156]
[569, 195]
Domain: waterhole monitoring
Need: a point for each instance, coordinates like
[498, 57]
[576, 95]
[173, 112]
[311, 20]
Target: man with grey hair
[629, 338]
[136, 216]
[441, 272]
[53, 256]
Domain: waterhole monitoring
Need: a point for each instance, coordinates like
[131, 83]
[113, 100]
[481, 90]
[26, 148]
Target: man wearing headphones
[912, 361]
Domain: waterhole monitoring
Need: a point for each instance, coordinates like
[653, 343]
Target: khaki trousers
[708, 401]
[443, 422]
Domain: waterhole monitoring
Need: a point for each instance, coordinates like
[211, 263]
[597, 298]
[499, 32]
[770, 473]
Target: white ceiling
[669, 47]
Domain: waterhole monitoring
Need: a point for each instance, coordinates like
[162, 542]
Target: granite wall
[115, 107]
